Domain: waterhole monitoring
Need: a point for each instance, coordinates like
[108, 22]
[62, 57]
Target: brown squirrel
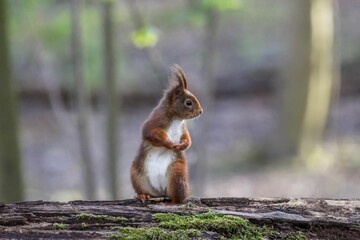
[159, 168]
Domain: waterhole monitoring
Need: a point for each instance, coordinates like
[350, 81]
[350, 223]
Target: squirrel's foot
[142, 197]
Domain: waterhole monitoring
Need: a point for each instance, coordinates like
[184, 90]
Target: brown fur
[177, 185]
[171, 107]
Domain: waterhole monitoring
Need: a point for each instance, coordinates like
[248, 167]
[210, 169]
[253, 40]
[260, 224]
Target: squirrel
[159, 168]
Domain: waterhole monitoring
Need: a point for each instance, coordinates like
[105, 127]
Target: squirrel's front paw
[181, 146]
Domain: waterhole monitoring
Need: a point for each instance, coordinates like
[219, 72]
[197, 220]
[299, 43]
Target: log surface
[316, 218]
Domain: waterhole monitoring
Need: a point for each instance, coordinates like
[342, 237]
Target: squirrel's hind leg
[177, 183]
[138, 184]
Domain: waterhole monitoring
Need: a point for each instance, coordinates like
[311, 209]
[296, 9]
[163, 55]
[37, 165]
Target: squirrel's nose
[200, 111]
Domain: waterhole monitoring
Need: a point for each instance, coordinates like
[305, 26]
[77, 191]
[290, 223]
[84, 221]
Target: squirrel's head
[183, 104]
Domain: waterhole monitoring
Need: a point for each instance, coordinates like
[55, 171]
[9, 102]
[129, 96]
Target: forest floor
[240, 128]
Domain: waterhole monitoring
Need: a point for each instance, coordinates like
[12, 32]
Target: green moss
[59, 226]
[296, 236]
[188, 206]
[4, 222]
[268, 231]
[83, 225]
[226, 225]
[129, 233]
[180, 227]
[100, 218]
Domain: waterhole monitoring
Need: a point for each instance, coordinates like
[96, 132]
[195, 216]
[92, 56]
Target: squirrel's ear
[178, 77]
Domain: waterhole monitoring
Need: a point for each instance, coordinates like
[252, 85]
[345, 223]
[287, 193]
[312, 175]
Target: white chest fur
[175, 131]
[159, 159]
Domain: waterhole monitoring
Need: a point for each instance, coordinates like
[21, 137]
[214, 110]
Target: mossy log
[205, 218]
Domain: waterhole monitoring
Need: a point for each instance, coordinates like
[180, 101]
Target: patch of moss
[59, 226]
[296, 236]
[180, 227]
[188, 205]
[3, 222]
[83, 225]
[129, 233]
[226, 225]
[100, 218]
[268, 231]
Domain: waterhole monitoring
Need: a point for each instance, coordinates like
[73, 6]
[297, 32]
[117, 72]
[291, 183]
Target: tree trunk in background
[321, 76]
[84, 138]
[308, 79]
[208, 67]
[200, 168]
[112, 100]
[11, 182]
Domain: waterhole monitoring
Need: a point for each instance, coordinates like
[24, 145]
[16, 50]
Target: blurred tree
[145, 37]
[84, 139]
[211, 11]
[11, 182]
[112, 96]
[308, 78]
[208, 93]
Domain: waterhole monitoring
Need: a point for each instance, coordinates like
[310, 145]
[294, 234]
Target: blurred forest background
[278, 80]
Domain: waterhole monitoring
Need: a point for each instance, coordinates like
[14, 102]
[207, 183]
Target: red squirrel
[159, 168]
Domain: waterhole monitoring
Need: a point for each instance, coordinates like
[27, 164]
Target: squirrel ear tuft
[177, 77]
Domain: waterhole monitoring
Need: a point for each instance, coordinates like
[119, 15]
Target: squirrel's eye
[188, 103]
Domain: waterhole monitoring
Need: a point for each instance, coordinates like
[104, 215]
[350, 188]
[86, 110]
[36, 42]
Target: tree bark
[11, 182]
[82, 105]
[315, 218]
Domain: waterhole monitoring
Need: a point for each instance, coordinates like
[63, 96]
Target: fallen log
[203, 218]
